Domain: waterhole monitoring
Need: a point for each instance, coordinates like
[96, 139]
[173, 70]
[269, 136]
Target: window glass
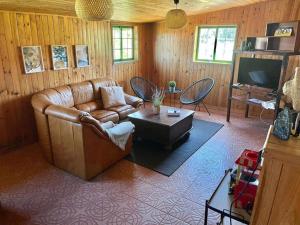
[123, 43]
[215, 43]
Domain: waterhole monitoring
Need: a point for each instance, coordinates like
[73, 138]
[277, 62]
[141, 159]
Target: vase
[156, 109]
[172, 89]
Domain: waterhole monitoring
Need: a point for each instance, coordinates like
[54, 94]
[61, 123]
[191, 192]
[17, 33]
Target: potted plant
[172, 86]
[157, 99]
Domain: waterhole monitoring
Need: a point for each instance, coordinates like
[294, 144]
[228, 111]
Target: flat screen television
[260, 72]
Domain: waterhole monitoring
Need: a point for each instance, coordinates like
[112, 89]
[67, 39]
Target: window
[215, 44]
[123, 43]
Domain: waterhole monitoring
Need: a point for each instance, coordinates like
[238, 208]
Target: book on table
[174, 112]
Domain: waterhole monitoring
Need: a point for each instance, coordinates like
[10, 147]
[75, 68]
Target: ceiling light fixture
[94, 10]
[176, 18]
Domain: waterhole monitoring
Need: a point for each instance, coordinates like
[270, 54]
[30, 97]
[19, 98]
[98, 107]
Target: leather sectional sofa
[67, 142]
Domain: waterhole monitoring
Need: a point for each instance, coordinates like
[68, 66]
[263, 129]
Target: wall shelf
[278, 43]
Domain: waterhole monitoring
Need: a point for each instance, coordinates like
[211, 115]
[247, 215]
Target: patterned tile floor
[34, 192]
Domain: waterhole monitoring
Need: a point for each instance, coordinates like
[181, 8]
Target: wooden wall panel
[19, 29]
[173, 49]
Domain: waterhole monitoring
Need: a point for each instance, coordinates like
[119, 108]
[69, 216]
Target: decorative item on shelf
[243, 45]
[283, 32]
[32, 59]
[172, 86]
[94, 10]
[292, 90]
[250, 47]
[261, 43]
[176, 18]
[59, 57]
[250, 44]
[283, 124]
[82, 56]
[157, 99]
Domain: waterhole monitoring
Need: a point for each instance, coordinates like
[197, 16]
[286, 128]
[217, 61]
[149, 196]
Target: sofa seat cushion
[88, 107]
[105, 115]
[123, 110]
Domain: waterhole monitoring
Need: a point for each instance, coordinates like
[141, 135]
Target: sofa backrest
[82, 92]
[53, 96]
[98, 83]
[84, 98]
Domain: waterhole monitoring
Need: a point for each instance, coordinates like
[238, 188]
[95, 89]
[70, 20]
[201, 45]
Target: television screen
[260, 72]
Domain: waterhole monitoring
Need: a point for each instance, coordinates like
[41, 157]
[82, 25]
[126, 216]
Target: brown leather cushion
[58, 96]
[82, 92]
[88, 107]
[105, 115]
[124, 110]
[66, 96]
[98, 83]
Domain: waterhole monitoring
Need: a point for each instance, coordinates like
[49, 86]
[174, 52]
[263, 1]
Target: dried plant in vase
[157, 99]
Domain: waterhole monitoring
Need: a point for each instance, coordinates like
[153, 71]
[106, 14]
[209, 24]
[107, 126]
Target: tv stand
[284, 55]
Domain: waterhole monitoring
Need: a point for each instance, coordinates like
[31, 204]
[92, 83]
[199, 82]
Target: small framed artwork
[82, 56]
[32, 59]
[283, 32]
[59, 57]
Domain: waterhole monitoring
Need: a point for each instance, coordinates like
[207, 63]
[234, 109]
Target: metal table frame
[222, 212]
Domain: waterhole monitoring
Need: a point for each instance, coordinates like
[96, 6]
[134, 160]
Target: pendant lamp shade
[94, 10]
[176, 18]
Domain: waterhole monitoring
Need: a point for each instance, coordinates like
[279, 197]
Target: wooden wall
[163, 55]
[173, 49]
[17, 124]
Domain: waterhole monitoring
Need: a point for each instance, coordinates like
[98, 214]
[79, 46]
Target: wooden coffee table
[162, 128]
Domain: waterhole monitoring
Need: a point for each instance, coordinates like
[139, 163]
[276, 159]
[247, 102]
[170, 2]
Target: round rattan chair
[197, 92]
[142, 88]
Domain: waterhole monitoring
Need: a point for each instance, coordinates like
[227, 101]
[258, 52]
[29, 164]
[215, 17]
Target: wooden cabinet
[278, 197]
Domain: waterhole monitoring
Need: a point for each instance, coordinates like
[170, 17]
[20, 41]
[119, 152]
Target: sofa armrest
[72, 115]
[39, 102]
[132, 100]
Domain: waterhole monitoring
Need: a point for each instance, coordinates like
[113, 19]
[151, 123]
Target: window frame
[121, 44]
[215, 44]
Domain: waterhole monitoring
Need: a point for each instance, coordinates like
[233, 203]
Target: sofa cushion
[66, 96]
[82, 92]
[98, 83]
[53, 96]
[123, 111]
[112, 96]
[105, 115]
[88, 107]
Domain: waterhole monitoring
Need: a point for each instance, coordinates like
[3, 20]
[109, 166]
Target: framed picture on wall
[59, 57]
[82, 56]
[32, 59]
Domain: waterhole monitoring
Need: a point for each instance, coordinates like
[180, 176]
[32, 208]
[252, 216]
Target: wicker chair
[142, 88]
[197, 92]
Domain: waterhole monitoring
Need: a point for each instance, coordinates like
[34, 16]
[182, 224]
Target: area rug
[166, 162]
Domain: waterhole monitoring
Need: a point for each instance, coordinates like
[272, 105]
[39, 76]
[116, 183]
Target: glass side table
[220, 202]
[173, 95]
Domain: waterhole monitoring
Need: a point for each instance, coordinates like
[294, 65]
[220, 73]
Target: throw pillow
[112, 96]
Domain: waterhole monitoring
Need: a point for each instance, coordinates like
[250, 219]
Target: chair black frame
[199, 101]
[152, 86]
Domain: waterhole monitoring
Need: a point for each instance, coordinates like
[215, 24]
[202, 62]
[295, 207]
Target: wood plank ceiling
[125, 10]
